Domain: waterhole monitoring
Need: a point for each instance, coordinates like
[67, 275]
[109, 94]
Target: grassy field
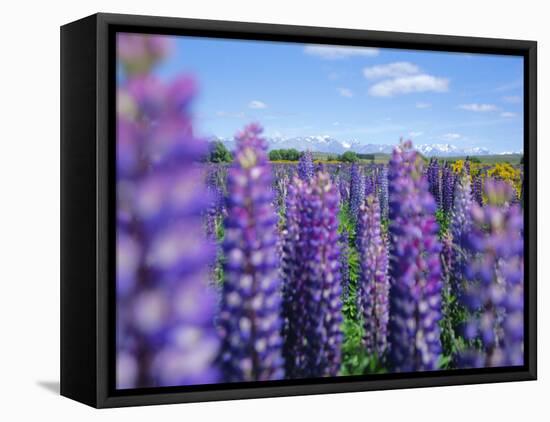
[513, 159]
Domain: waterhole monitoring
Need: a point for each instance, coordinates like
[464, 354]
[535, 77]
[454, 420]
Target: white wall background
[29, 209]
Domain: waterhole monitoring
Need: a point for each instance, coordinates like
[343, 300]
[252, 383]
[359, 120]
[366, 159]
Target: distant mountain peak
[330, 145]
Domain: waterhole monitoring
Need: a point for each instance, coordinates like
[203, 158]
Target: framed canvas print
[255, 210]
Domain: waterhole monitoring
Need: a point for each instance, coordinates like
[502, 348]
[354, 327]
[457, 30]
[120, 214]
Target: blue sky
[354, 94]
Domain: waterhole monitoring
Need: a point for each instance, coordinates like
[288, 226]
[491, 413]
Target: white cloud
[478, 108]
[345, 92]
[329, 52]
[452, 136]
[403, 78]
[423, 105]
[257, 105]
[415, 134]
[409, 84]
[508, 114]
[512, 99]
[391, 70]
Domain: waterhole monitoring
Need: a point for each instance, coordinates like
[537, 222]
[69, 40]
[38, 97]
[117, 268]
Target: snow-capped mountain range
[331, 145]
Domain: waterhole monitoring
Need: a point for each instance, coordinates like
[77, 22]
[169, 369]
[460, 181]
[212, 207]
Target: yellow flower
[508, 173]
[457, 166]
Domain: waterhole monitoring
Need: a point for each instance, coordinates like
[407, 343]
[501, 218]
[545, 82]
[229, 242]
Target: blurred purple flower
[249, 320]
[415, 269]
[165, 309]
[306, 167]
[294, 253]
[494, 288]
[447, 188]
[477, 190]
[357, 191]
[382, 187]
[344, 263]
[447, 254]
[369, 184]
[373, 289]
[343, 187]
[460, 227]
[435, 181]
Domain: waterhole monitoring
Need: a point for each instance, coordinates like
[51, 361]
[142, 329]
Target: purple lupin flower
[357, 190]
[306, 168]
[217, 181]
[312, 292]
[373, 289]
[165, 308]
[369, 184]
[344, 263]
[493, 291]
[343, 187]
[382, 187]
[249, 320]
[293, 304]
[434, 181]
[447, 188]
[415, 268]
[477, 190]
[460, 227]
[447, 254]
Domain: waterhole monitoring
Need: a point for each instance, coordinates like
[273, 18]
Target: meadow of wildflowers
[257, 271]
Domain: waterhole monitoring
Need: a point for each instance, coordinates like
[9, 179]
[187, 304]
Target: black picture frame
[88, 193]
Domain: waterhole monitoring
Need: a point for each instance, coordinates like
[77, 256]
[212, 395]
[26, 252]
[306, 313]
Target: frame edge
[78, 210]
